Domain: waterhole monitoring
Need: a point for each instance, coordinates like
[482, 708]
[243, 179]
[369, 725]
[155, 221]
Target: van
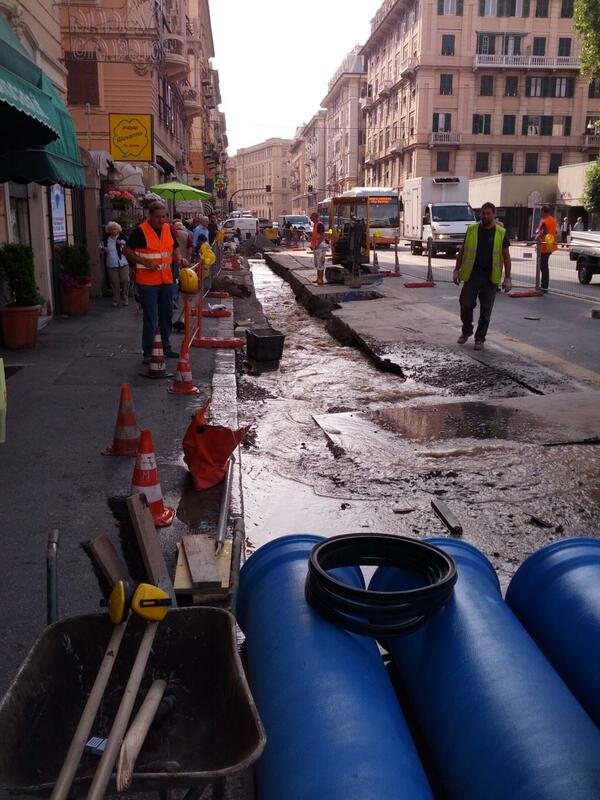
[248, 226]
[299, 221]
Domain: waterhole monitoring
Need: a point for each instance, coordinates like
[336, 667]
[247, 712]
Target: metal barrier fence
[563, 272]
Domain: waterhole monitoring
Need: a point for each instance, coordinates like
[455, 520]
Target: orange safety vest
[314, 239]
[159, 251]
[551, 230]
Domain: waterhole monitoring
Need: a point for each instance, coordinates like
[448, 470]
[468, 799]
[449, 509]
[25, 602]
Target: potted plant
[119, 199]
[74, 263]
[20, 314]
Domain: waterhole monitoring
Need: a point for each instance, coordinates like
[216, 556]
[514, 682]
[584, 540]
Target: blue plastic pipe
[334, 727]
[499, 722]
[556, 595]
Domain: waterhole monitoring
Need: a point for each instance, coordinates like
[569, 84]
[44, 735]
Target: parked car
[584, 248]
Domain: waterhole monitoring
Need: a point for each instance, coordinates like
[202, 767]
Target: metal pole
[52, 578]
[538, 264]
[224, 512]
[396, 260]
[429, 266]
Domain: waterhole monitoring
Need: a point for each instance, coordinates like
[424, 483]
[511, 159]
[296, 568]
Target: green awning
[26, 113]
[42, 162]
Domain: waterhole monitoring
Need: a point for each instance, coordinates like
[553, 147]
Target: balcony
[192, 102]
[398, 144]
[365, 103]
[175, 60]
[370, 157]
[408, 67]
[445, 139]
[527, 62]
[591, 141]
[385, 88]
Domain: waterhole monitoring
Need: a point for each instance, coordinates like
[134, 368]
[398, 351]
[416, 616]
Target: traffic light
[268, 188]
[310, 190]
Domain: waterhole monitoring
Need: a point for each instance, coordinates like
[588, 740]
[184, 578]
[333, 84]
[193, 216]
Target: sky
[275, 60]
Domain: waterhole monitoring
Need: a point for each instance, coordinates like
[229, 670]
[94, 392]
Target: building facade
[259, 166]
[297, 173]
[345, 124]
[475, 88]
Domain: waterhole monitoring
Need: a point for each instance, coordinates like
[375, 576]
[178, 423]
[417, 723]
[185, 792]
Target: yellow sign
[131, 137]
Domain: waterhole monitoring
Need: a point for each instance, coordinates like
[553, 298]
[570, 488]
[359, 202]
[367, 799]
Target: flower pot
[19, 326]
[75, 300]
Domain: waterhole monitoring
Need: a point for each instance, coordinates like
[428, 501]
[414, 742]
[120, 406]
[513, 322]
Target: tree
[586, 18]
[591, 189]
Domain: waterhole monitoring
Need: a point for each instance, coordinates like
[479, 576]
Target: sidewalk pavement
[63, 399]
[549, 340]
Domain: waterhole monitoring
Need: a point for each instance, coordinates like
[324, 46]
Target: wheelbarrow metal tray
[214, 730]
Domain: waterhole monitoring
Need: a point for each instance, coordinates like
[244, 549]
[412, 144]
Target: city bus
[383, 207]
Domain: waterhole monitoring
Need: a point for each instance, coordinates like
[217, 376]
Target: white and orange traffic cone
[157, 367]
[146, 481]
[183, 383]
[127, 433]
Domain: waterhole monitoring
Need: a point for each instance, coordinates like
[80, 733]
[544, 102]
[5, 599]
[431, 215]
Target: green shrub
[591, 189]
[74, 261]
[18, 271]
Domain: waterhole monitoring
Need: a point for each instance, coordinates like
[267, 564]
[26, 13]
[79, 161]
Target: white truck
[584, 249]
[436, 211]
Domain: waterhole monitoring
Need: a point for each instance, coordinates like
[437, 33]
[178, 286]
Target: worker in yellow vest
[479, 265]
[153, 249]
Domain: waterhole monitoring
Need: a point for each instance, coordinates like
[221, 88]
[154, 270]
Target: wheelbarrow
[213, 732]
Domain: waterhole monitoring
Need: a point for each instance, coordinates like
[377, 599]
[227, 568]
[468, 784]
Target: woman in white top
[117, 264]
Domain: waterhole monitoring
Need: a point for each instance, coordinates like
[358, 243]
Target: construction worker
[152, 248]
[319, 246]
[479, 264]
[546, 236]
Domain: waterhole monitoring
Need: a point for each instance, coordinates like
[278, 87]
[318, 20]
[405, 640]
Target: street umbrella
[179, 191]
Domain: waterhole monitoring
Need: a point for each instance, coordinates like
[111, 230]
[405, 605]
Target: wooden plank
[224, 561]
[183, 576]
[107, 559]
[447, 517]
[204, 568]
[149, 544]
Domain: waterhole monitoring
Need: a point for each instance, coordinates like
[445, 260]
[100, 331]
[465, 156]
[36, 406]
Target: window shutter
[527, 86]
[459, 7]
[448, 123]
[482, 8]
[567, 127]
[546, 87]
[570, 87]
[525, 8]
[440, 7]
[525, 125]
[435, 124]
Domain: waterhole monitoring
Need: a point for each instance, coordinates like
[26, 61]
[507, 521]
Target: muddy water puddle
[305, 473]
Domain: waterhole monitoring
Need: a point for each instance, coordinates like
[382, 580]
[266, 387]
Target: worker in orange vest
[153, 249]
[546, 236]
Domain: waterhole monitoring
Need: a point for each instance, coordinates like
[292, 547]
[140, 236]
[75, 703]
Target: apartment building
[345, 124]
[264, 164]
[297, 172]
[475, 88]
[315, 171]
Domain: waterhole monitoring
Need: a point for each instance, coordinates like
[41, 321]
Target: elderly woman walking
[117, 264]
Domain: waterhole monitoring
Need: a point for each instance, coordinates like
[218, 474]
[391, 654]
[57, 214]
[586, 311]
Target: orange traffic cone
[146, 481]
[158, 367]
[183, 374]
[127, 433]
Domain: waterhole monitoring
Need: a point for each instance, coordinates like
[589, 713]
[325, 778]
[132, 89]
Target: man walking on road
[546, 236]
[319, 246]
[152, 248]
[479, 264]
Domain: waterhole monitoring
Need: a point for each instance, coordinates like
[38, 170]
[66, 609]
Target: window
[541, 8]
[531, 126]
[507, 162]
[508, 124]
[511, 86]
[442, 123]
[443, 161]
[566, 9]
[450, 7]
[482, 123]
[555, 163]
[549, 87]
[448, 44]
[82, 80]
[546, 125]
[531, 163]
[563, 87]
[564, 46]
[512, 44]
[539, 46]
[488, 8]
[534, 87]
[482, 162]
[445, 84]
[594, 90]
[486, 44]
[486, 88]
[284, 183]
[504, 8]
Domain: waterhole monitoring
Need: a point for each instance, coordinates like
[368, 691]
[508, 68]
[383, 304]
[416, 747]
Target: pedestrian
[213, 228]
[184, 240]
[579, 225]
[479, 264]
[546, 236]
[565, 230]
[318, 245]
[201, 229]
[116, 263]
[153, 250]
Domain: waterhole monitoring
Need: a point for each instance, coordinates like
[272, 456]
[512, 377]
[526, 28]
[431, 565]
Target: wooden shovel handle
[136, 735]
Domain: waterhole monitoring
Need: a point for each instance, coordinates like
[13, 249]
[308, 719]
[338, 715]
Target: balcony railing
[398, 144]
[527, 62]
[370, 157]
[591, 140]
[408, 66]
[445, 138]
[385, 88]
[192, 101]
[365, 103]
[175, 59]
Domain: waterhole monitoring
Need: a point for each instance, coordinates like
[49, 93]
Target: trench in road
[368, 467]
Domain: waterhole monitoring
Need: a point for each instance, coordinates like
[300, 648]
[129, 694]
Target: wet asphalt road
[334, 452]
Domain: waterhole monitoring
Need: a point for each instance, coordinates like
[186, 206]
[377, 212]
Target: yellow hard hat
[549, 239]
[188, 280]
[208, 257]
